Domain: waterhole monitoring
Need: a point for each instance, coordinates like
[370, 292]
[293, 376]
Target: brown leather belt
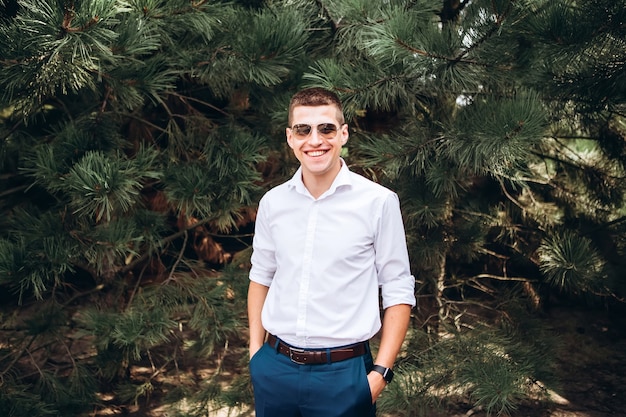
[310, 357]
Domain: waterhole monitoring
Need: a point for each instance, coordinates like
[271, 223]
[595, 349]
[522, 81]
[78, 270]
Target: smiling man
[327, 243]
[316, 135]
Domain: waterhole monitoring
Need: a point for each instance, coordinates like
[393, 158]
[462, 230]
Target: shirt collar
[342, 179]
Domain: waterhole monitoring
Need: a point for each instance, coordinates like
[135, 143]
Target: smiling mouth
[316, 153]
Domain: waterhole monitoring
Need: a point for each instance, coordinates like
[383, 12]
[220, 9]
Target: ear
[289, 137]
[344, 134]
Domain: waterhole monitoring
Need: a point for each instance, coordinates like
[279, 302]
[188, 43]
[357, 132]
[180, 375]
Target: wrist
[386, 373]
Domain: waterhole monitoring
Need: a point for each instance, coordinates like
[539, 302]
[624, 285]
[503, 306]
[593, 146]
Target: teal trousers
[283, 388]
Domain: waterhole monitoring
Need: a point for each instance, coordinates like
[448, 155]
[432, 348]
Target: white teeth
[316, 153]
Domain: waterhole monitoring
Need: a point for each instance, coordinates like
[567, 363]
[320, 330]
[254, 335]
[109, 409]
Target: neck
[319, 184]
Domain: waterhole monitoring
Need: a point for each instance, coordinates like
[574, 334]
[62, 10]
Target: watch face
[387, 373]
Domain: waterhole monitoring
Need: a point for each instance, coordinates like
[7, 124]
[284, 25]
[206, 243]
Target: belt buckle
[293, 350]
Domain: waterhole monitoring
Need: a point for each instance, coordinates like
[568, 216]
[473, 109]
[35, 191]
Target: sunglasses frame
[297, 132]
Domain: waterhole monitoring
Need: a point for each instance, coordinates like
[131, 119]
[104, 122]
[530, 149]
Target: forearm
[256, 298]
[395, 325]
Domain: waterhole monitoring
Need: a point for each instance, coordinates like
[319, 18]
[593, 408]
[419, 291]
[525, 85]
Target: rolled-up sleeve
[263, 256]
[392, 259]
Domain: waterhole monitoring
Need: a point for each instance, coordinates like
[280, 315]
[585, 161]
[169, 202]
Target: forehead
[314, 115]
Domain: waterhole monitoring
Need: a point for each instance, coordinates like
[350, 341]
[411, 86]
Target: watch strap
[387, 373]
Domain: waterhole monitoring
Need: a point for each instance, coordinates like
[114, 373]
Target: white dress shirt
[324, 260]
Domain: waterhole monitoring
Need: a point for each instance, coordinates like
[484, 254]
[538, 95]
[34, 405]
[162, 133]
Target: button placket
[307, 260]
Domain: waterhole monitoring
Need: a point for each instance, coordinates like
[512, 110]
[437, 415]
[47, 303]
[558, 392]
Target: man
[325, 242]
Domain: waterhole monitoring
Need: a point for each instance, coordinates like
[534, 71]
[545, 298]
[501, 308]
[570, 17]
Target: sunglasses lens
[328, 130]
[301, 130]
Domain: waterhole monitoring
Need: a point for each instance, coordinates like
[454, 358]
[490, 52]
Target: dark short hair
[316, 96]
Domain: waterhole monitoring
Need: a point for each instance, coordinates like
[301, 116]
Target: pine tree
[129, 151]
[137, 137]
[501, 124]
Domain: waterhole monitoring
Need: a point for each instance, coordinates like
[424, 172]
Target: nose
[314, 138]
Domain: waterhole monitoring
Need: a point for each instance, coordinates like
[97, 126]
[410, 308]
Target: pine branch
[68, 17]
[502, 278]
[17, 356]
[178, 259]
[13, 190]
[163, 243]
[500, 18]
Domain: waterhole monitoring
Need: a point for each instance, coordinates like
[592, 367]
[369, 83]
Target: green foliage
[136, 138]
[231, 155]
[18, 401]
[494, 368]
[571, 263]
[499, 144]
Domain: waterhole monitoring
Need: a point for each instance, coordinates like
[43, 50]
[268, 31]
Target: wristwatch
[387, 373]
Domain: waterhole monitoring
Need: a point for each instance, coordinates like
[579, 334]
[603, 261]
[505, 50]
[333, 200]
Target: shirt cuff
[399, 291]
[261, 279]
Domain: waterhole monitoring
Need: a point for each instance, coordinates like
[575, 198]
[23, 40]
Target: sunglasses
[325, 130]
